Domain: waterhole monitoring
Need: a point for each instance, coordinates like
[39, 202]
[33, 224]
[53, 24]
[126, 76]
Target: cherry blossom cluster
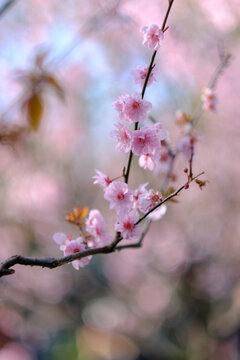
[149, 142]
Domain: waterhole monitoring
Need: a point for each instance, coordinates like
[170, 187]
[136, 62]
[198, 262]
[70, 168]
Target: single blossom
[145, 140]
[102, 179]
[152, 36]
[136, 193]
[161, 132]
[209, 99]
[74, 247]
[148, 200]
[71, 246]
[132, 108]
[147, 161]
[96, 226]
[139, 75]
[123, 136]
[162, 160]
[186, 146]
[119, 196]
[126, 225]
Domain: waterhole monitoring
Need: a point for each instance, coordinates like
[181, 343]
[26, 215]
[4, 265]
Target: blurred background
[62, 64]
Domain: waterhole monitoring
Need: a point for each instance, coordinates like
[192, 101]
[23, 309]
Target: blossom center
[120, 196]
[135, 105]
[76, 250]
[128, 226]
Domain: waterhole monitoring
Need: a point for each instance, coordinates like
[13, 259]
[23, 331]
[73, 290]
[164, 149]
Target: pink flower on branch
[102, 179]
[72, 246]
[126, 225]
[186, 146]
[145, 141]
[147, 161]
[140, 73]
[152, 36]
[119, 196]
[123, 136]
[96, 226]
[148, 200]
[132, 108]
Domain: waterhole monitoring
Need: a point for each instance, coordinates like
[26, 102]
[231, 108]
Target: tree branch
[51, 263]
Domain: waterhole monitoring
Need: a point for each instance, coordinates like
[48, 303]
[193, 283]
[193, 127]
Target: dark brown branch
[51, 263]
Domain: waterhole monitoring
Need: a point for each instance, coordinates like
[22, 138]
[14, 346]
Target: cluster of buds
[209, 99]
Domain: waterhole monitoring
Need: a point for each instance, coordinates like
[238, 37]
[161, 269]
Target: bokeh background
[178, 297]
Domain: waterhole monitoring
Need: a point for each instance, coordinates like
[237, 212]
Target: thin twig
[175, 193]
[150, 67]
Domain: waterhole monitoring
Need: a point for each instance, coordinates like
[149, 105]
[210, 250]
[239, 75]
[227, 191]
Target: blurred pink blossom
[209, 99]
[102, 179]
[96, 226]
[123, 136]
[139, 75]
[153, 36]
[132, 108]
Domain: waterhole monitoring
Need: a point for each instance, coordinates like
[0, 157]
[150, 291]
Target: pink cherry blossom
[126, 225]
[132, 108]
[74, 247]
[119, 196]
[140, 73]
[61, 239]
[148, 200]
[102, 179]
[209, 99]
[147, 161]
[123, 136]
[144, 141]
[96, 226]
[186, 146]
[136, 193]
[162, 160]
[161, 132]
[152, 37]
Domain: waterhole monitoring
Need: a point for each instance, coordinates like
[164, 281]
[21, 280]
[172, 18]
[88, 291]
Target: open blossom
[152, 37]
[161, 132]
[140, 73]
[126, 225]
[72, 246]
[162, 160]
[145, 140]
[186, 146]
[119, 196]
[96, 226]
[148, 200]
[123, 136]
[209, 99]
[136, 193]
[102, 179]
[147, 161]
[132, 108]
